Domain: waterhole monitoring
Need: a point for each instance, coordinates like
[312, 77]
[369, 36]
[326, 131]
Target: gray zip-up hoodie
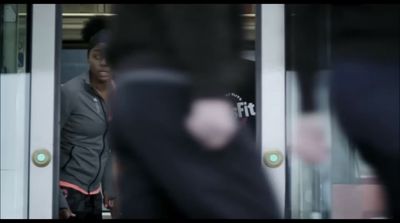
[85, 154]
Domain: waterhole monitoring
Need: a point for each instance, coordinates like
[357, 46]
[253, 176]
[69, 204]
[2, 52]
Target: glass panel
[342, 186]
[310, 186]
[14, 111]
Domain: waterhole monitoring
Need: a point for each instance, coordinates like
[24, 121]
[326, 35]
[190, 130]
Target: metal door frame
[44, 117]
[270, 92]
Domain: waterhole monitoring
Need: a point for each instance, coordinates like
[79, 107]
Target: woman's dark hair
[94, 31]
[200, 38]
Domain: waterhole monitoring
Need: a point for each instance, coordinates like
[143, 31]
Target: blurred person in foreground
[85, 152]
[180, 151]
[364, 86]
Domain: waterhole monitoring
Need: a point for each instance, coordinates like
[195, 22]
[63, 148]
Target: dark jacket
[85, 153]
[164, 172]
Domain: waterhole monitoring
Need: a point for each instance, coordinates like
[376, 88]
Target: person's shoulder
[73, 86]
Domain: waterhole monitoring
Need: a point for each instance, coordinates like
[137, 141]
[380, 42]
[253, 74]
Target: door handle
[273, 158]
[41, 157]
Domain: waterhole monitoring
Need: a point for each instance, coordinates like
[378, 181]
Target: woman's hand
[310, 141]
[66, 213]
[108, 202]
[211, 122]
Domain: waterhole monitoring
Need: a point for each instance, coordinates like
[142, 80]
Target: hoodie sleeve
[66, 105]
[107, 183]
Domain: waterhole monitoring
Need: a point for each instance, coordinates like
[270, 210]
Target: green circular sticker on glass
[41, 157]
[273, 158]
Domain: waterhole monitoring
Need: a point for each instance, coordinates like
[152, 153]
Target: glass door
[29, 73]
[270, 96]
[343, 186]
[15, 95]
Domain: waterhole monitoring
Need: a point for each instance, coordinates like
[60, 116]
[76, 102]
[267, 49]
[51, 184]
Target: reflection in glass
[14, 111]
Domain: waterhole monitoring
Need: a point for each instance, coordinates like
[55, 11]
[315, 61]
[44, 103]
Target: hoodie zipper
[104, 136]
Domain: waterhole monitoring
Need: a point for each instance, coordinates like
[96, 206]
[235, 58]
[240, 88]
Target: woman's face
[98, 66]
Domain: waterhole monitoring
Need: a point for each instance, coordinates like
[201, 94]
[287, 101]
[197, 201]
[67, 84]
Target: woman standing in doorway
[85, 155]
